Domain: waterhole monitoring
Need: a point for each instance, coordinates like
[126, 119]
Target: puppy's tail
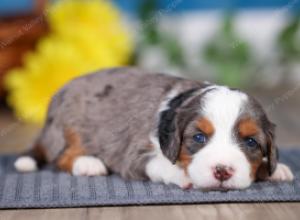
[31, 160]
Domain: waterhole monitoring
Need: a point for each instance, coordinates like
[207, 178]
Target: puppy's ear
[169, 135]
[272, 151]
[171, 125]
[269, 164]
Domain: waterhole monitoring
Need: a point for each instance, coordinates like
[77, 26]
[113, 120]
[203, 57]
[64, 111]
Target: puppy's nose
[222, 172]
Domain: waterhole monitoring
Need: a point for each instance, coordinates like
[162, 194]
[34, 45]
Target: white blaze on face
[222, 108]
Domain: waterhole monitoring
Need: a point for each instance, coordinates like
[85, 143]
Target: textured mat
[53, 189]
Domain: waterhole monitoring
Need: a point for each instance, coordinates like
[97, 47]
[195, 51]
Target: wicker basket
[18, 35]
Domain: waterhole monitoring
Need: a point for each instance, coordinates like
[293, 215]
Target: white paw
[185, 183]
[160, 169]
[282, 173]
[88, 166]
[25, 164]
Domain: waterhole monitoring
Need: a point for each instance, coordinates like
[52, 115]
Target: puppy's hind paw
[282, 173]
[88, 166]
[25, 164]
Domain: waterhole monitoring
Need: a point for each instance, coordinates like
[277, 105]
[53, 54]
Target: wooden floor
[283, 107]
[280, 211]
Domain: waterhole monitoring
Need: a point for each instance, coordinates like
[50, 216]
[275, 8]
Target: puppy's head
[221, 137]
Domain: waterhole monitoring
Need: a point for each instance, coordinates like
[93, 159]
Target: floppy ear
[268, 166]
[169, 135]
[272, 151]
[171, 125]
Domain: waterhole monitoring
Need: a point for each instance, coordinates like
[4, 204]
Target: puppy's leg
[282, 173]
[160, 169]
[75, 160]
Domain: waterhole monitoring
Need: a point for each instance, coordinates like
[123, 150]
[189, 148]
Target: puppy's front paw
[184, 183]
[88, 166]
[282, 173]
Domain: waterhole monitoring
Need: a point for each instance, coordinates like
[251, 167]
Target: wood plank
[266, 211]
[44, 214]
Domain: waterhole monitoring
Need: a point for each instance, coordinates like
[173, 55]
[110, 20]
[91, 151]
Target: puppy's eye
[200, 138]
[251, 142]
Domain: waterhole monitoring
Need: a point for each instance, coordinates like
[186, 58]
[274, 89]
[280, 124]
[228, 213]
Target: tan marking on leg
[73, 150]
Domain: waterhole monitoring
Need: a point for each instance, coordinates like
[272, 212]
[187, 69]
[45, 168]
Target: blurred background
[253, 45]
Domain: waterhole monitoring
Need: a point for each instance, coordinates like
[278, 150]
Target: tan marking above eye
[205, 125]
[247, 128]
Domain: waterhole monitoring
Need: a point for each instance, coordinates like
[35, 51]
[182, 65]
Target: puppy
[157, 127]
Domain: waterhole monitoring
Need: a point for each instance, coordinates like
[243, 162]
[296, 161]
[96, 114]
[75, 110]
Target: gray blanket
[48, 188]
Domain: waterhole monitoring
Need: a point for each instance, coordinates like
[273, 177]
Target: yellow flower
[85, 36]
